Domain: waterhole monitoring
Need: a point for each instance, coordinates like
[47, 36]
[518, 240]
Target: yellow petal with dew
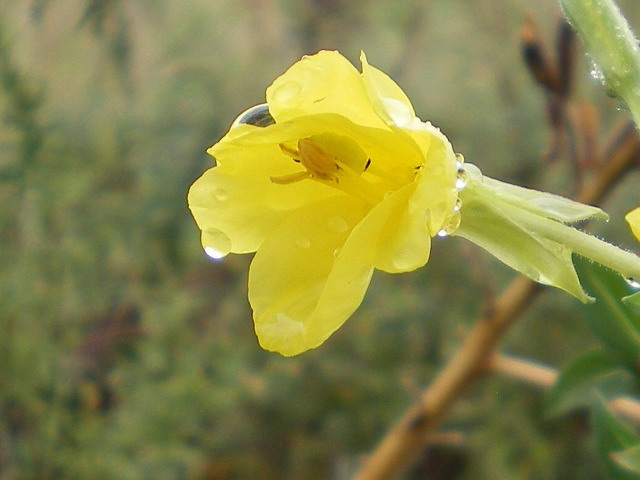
[236, 204]
[301, 298]
[322, 83]
[289, 275]
[388, 100]
[633, 218]
[405, 243]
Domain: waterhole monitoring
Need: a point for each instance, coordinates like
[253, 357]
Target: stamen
[320, 165]
[292, 178]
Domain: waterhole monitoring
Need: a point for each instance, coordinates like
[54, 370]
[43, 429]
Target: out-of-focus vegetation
[126, 354]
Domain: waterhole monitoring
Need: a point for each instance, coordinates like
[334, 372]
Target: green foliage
[615, 324]
[576, 382]
[614, 440]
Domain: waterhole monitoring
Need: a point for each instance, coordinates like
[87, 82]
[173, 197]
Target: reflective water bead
[632, 282]
[216, 243]
[462, 177]
[337, 224]
[303, 242]
[258, 116]
[221, 194]
[287, 91]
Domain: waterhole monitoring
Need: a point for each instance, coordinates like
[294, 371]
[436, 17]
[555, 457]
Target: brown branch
[406, 439]
[545, 377]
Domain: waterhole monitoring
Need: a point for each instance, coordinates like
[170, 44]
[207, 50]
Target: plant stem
[613, 46]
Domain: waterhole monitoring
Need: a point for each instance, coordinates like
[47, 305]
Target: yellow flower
[633, 219]
[341, 178]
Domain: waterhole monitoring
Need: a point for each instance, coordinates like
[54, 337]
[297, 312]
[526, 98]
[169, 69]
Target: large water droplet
[285, 92]
[337, 224]
[632, 282]
[258, 116]
[462, 177]
[394, 111]
[216, 243]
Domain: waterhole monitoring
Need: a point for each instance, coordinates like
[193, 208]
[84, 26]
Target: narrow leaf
[615, 324]
[629, 458]
[582, 373]
[612, 436]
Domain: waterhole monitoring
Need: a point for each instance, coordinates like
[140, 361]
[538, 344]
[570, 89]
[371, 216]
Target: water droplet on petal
[632, 282]
[285, 92]
[390, 109]
[258, 116]
[303, 242]
[336, 252]
[462, 177]
[452, 225]
[458, 206]
[221, 194]
[404, 259]
[216, 243]
[337, 224]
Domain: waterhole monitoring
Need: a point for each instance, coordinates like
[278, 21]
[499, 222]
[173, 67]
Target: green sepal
[499, 218]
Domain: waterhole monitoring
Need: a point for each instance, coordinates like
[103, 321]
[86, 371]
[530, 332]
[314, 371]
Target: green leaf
[581, 374]
[615, 324]
[612, 436]
[629, 458]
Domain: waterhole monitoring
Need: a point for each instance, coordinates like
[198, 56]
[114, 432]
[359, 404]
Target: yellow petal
[292, 275]
[388, 100]
[633, 218]
[239, 201]
[405, 243]
[436, 183]
[322, 83]
[301, 298]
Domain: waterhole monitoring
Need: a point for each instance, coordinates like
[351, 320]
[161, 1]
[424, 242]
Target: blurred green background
[125, 353]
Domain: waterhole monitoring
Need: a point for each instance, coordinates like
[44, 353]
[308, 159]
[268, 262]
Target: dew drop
[459, 159]
[395, 111]
[462, 177]
[632, 282]
[303, 242]
[454, 223]
[285, 92]
[216, 243]
[404, 259]
[458, 206]
[336, 252]
[221, 194]
[258, 116]
[337, 224]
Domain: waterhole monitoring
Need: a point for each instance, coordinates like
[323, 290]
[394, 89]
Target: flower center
[337, 162]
